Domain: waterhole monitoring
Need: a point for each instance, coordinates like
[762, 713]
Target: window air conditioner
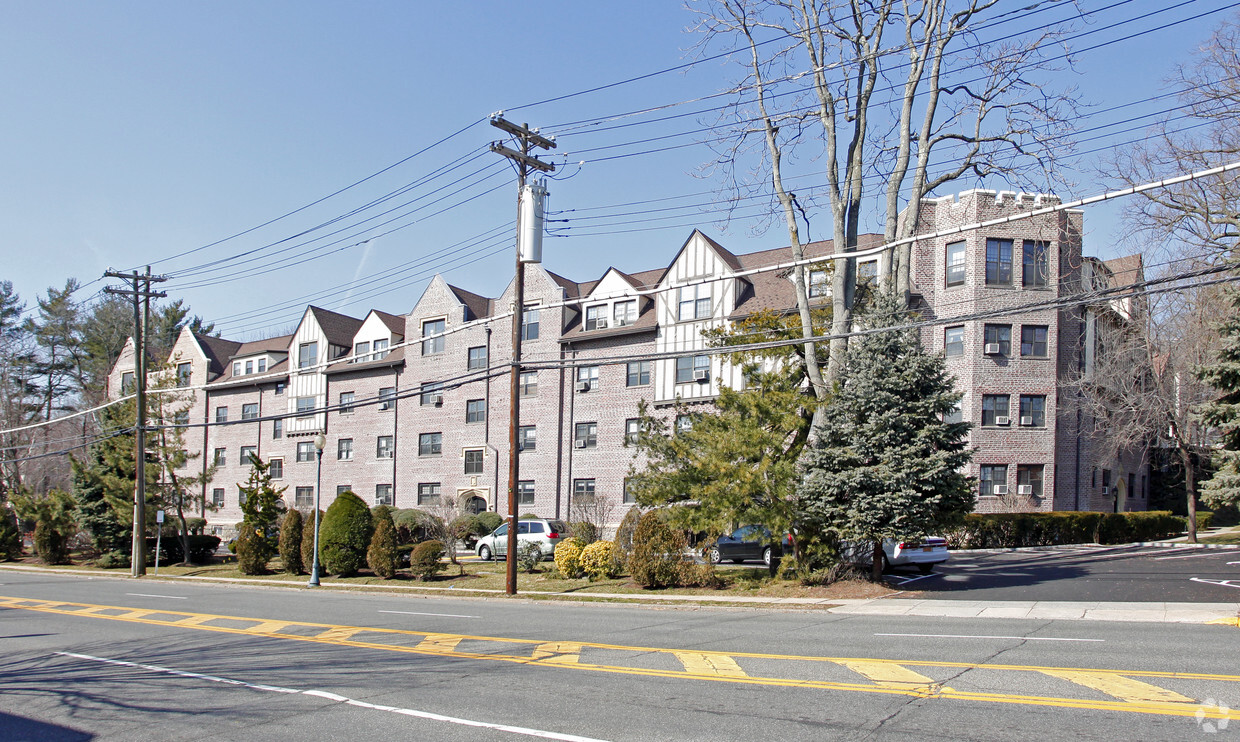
[1003, 420]
[992, 349]
[437, 400]
[999, 489]
[385, 405]
[579, 443]
[583, 386]
[1106, 490]
[1024, 489]
[1027, 420]
[701, 375]
[601, 324]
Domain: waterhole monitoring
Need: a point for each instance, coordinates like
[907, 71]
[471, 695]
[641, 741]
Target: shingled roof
[479, 306]
[339, 328]
[218, 351]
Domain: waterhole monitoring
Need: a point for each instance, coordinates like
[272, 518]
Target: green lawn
[1231, 537]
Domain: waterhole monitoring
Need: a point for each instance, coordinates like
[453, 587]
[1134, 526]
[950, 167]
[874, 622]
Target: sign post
[159, 534]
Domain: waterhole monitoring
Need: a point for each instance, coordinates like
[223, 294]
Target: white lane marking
[1223, 583]
[983, 636]
[1228, 564]
[415, 613]
[341, 699]
[149, 595]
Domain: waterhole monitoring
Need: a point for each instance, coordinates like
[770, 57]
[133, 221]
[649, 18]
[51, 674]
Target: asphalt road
[1085, 573]
[119, 659]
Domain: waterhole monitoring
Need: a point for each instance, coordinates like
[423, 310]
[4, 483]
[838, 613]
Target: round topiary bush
[568, 558]
[658, 553]
[344, 535]
[382, 556]
[489, 521]
[601, 560]
[290, 543]
[424, 561]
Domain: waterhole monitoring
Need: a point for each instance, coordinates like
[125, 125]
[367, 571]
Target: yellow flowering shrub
[601, 560]
[568, 558]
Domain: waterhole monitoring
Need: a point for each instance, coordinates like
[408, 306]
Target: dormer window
[694, 302]
[625, 313]
[360, 352]
[249, 367]
[596, 317]
[381, 349]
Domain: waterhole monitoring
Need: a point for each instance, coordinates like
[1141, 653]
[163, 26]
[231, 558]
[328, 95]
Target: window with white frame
[473, 461]
[585, 435]
[361, 352]
[275, 467]
[818, 286]
[632, 428]
[529, 323]
[475, 411]
[221, 414]
[381, 349]
[477, 357]
[221, 456]
[430, 444]
[249, 411]
[385, 447]
[236, 368]
[262, 365]
[527, 438]
[691, 368]
[383, 494]
[953, 341]
[249, 367]
[694, 302]
[587, 378]
[596, 317]
[305, 452]
[992, 475]
[428, 493]
[638, 373]
[344, 449]
[307, 355]
[624, 313]
[955, 264]
[432, 331]
[248, 454]
[529, 384]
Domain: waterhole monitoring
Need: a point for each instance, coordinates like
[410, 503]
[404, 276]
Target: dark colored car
[748, 542]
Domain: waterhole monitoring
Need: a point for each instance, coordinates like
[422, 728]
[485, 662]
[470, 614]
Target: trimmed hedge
[291, 529]
[1012, 530]
[424, 560]
[201, 549]
[600, 560]
[344, 535]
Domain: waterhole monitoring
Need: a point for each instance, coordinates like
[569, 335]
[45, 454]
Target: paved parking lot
[1084, 573]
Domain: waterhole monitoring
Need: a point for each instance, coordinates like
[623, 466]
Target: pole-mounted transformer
[533, 208]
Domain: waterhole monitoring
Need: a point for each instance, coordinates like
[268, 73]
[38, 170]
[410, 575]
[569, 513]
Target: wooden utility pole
[141, 294]
[526, 139]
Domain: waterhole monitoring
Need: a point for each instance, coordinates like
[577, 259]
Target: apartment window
[127, 382]
[956, 415]
[221, 414]
[1036, 273]
[428, 493]
[596, 317]
[346, 403]
[181, 418]
[247, 454]
[249, 367]
[529, 384]
[998, 262]
[236, 368]
[280, 386]
[1029, 480]
[1033, 341]
[305, 452]
[277, 428]
[306, 406]
[432, 393]
[432, 332]
[632, 427]
[630, 497]
[586, 435]
[262, 365]
[360, 352]
[953, 341]
[430, 444]
[583, 488]
[991, 475]
[687, 368]
[307, 355]
[384, 447]
[998, 339]
[639, 373]
[387, 398]
[473, 461]
[477, 357]
[221, 456]
[527, 438]
[241, 495]
[994, 409]
[476, 411]
[818, 286]
[217, 497]
[625, 313]
[1033, 410]
[303, 497]
[383, 494]
[344, 449]
[694, 302]
[184, 371]
[587, 375]
[955, 264]
[275, 468]
[525, 492]
[529, 323]
[249, 411]
[867, 271]
[381, 349]
[684, 423]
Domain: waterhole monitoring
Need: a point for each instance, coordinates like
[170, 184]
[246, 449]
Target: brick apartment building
[415, 407]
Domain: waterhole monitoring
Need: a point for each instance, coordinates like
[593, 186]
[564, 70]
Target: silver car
[547, 534]
[923, 553]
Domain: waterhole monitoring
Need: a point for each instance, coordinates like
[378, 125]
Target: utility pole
[141, 294]
[528, 238]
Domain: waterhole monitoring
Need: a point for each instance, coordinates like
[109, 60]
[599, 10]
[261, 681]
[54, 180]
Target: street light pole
[319, 442]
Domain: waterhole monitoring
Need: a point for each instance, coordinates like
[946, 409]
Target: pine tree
[1223, 413]
[885, 464]
[262, 505]
[103, 483]
[178, 488]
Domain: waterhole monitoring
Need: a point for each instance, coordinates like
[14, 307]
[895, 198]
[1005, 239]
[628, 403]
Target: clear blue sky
[137, 130]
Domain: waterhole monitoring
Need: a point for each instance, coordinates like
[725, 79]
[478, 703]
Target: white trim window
[432, 331]
[693, 302]
[596, 317]
[624, 313]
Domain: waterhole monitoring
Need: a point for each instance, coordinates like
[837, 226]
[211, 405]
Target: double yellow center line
[1132, 691]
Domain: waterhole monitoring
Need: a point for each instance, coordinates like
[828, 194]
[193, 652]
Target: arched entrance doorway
[472, 501]
[1121, 496]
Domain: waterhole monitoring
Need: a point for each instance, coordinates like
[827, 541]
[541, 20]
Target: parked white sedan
[923, 553]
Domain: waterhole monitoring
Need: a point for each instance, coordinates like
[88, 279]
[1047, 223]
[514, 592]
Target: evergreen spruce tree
[885, 464]
[103, 483]
[262, 505]
[1223, 413]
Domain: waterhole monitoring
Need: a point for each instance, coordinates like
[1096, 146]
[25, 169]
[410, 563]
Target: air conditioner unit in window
[583, 386]
[1024, 489]
[601, 324]
[992, 349]
[701, 375]
[999, 489]
[1026, 420]
[1106, 490]
[1003, 420]
[579, 444]
[386, 405]
[437, 400]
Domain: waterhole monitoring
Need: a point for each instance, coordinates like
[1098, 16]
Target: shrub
[291, 530]
[413, 525]
[1012, 530]
[469, 528]
[253, 550]
[424, 560]
[382, 556]
[657, 560]
[584, 531]
[489, 521]
[344, 535]
[624, 534]
[568, 558]
[1204, 519]
[600, 560]
[307, 539]
[201, 549]
[113, 560]
[701, 575]
[529, 554]
[51, 543]
[528, 516]
[10, 535]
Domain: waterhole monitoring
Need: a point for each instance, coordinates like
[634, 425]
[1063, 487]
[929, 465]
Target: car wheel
[484, 553]
[925, 569]
[713, 556]
[766, 556]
